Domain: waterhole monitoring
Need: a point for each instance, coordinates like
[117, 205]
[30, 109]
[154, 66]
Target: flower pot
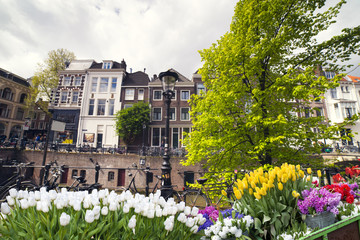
[320, 220]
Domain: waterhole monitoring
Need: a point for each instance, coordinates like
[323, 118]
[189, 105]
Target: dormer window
[107, 65]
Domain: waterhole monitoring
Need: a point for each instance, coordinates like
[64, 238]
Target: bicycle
[200, 197]
[16, 181]
[149, 178]
[79, 183]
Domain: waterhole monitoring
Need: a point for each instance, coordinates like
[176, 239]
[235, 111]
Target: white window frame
[106, 86]
[77, 81]
[111, 85]
[64, 94]
[107, 65]
[174, 114]
[67, 81]
[97, 107]
[111, 104]
[174, 96]
[72, 97]
[182, 135]
[129, 96]
[181, 98]
[94, 109]
[129, 105]
[199, 89]
[143, 94]
[181, 114]
[94, 80]
[153, 114]
[161, 95]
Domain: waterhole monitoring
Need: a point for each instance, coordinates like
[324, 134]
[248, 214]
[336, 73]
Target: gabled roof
[136, 79]
[182, 78]
[115, 65]
[80, 64]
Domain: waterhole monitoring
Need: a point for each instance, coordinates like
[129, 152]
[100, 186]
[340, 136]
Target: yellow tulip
[263, 191]
[237, 194]
[319, 173]
[301, 173]
[284, 178]
[245, 184]
[280, 186]
[293, 178]
[257, 195]
[251, 191]
[253, 185]
[308, 178]
[224, 192]
[308, 170]
[298, 167]
[295, 194]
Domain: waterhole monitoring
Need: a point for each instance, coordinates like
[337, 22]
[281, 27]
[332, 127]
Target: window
[156, 136]
[156, 114]
[64, 97]
[307, 112]
[20, 114]
[67, 81]
[41, 125]
[129, 94]
[22, 98]
[104, 83]
[141, 94]
[157, 95]
[333, 93]
[344, 89]
[113, 85]
[337, 111]
[185, 116]
[94, 84]
[111, 176]
[175, 138]
[75, 97]
[185, 132]
[329, 75]
[77, 81]
[74, 173]
[348, 112]
[319, 112]
[174, 95]
[101, 107]
[7, 94]
[200, 88]
[111, 107]
[127, 106]
[185, 95]
[106, 65]
[42, 117]
[172, 114]
[91, 106]
[83, 173]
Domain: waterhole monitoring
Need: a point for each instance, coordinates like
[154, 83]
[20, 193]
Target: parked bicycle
[149, 179]
[17, 180]
[200, 197]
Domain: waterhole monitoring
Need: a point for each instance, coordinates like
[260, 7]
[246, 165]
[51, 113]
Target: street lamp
[168, 80]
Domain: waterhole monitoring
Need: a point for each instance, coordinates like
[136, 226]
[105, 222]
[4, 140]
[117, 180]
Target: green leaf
[266, 219]
[257, 223]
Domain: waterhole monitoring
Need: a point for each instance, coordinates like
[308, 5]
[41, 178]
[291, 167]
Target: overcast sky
[152, 34]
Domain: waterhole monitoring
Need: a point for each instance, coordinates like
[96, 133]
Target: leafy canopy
[130, 121]
[256, 89]
[46, 78]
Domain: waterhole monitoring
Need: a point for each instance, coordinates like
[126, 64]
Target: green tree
[46, 78]
[258, 75]
[130, 121]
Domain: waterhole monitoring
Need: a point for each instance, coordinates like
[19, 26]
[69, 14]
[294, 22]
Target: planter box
[344, 229]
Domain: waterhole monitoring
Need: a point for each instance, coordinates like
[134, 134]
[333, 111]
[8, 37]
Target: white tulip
[182, 218]
[24, 204]
[238, 233]
[104, 211]
[187, 210]
[194, 211]
[132, 222]
[190, 222]
[158, 212]
[44, 206]
[37, 195]
[96, 210]
[151, 213]
[180, 206]
[194, 229]
[89, 216]
[13, 193]
[10, 200]
[5, 209]
[31, 201]
[64, 219]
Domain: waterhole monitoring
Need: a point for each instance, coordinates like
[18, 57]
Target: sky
[152, 34]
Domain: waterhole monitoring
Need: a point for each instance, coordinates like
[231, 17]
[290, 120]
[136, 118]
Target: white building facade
[100, 103]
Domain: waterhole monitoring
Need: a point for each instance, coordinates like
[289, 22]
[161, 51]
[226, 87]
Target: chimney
[144, 69]
[130, 70]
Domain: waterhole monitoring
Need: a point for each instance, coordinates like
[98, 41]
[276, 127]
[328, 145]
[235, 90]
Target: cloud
[154, 34]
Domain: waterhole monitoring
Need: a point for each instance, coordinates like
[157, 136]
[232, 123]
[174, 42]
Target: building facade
[13, 93]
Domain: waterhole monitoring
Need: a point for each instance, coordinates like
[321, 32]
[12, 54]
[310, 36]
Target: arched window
[23, 97]
[111, 176]
[7, 94]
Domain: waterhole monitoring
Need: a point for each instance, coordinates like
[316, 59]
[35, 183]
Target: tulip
[308, 170]
[64, 219]
[5, 209]
[280, 186]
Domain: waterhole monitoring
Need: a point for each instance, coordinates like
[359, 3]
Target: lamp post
[168, 80]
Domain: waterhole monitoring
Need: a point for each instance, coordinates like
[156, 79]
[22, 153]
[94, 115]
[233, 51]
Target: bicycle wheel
[29, 186]
[195, 198]
[124, 189]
